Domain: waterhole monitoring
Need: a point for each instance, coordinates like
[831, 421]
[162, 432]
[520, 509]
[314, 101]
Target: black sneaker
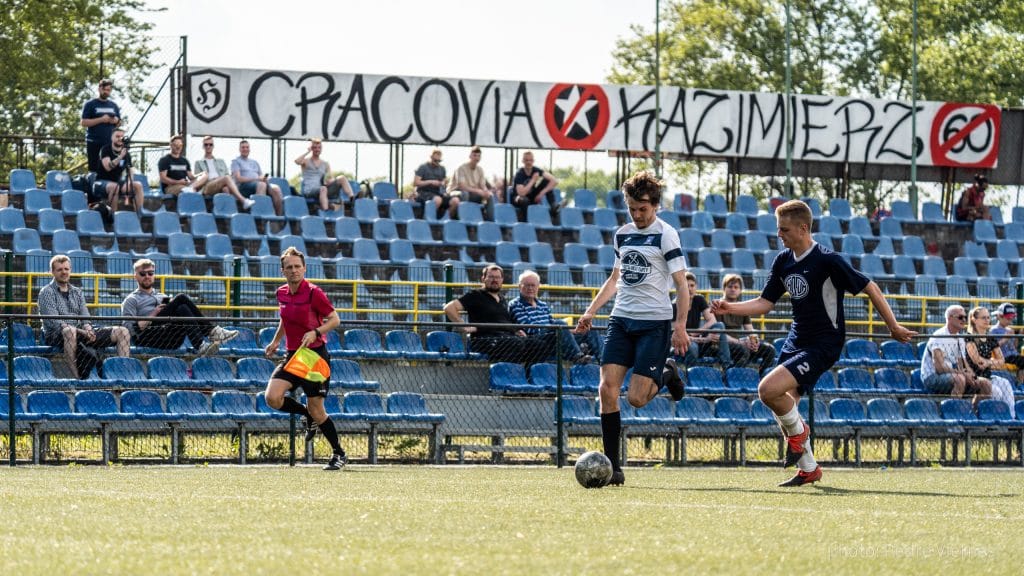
[311, 427]
[618, 478]
[337, 462]
[671, 380]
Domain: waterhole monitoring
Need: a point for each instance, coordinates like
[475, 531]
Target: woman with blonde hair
[984, 355]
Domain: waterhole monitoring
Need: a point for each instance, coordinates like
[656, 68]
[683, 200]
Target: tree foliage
[51, 54]
[968, 51]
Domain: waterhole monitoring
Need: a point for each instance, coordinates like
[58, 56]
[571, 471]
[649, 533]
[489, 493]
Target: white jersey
[646, 260]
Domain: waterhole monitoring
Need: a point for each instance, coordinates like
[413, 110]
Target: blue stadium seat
[65, 241]
[145, 405]
[50, 220]
[585, 376]
[737, 224]
[418, 231]
[89, 223]
[585, 199]
[365, 251]
[847, 411]
[830, 225]
[450, 345]
[10, 220]
[852, 246]
[1008, 250]
[890, 227]
[412, 407]
[892, 380]
[709, 259]
[985, 231]
[902, 354]
[715, 205]
[861, 226]
[401, 211]
[237, 405]
[931, 212]
[224, 206]
[743, 260]
[295, 207]
[693, 410]
[35, 370]
[989, 287]
[20, 180]
[367, 406]
[36, 199]
[170, 371]
[255, 371]
[541, 255]
[671, 218]
[52, 405]
[615, 200]
[190, 203]
[243, 227]
[367, 343]
[702, 222]
[767, 223]
[684, 203]
[704, 380]
[165, 224]
[934, 266]
[874, 268]
[579, 410]
[99, 405]
[71, 201]
[747, 205]
[408, 345]
[922, 411]
[861, 352]
[903, 268]
[963, 266]
[590, 235]
[840, 209]
[126, 372]
[606, 219]
[855, 380]
[736, 411]
[995, 411]
[488, 234]
[348, 375]
[216, 373]
[524, 234]
[506, 254]
[1015, 232]
[958, 410]
[385, 192]
[722, 240]
[470, 213]
[505, 215]
[901, 210]
[975, 251]
[245, 344]
[575, 255]
[201, 224]
[509, 377]
[455, 234]
[606, 256]
[742, 379]
[913, 246]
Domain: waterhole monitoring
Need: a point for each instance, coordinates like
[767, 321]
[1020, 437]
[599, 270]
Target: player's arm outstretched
[605, 294]
[756, 307]
[897, 330]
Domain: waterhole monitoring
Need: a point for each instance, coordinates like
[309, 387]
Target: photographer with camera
[115, 174]
[204, 336]
[99, 118]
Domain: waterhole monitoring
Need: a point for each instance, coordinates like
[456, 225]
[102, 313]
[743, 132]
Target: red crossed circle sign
[576, 115]
[965, 135]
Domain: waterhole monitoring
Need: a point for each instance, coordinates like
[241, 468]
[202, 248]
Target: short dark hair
[475, 150]
[106, 82]
[643, 184]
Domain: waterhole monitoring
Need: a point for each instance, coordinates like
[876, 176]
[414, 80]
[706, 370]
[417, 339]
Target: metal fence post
[11, 412]
[559, 375]
[236, 286]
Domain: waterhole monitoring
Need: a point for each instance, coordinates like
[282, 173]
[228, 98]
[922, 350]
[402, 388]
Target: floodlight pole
[789, 97]
[657, 88]
[913, 113]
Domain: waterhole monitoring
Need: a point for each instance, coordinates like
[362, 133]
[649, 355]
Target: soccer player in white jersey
[815, 278]
[648, 260]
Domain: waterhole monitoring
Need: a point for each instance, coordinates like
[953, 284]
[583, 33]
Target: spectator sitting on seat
[531, 186]
[748, 349]
[176, 171]
[74, 335]
[99, 118]
[429, 181]
[470, 183]
[971, 205]
[527, 308]
[218, 178]
[114, 175]
[984, 356]
[204, 336]
[317, 181]
[251, 180]
[500, 187]
[486, 306]
[1005, 314]
[700, 323]
[879, 213]
[944, 367]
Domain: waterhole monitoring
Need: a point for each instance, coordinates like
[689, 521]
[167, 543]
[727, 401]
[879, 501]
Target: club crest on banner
[209, 92]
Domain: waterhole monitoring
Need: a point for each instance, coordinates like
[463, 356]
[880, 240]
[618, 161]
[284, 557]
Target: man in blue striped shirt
[527, 308]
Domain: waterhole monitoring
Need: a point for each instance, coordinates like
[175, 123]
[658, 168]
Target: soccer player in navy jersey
[815, 278]
[643, 324]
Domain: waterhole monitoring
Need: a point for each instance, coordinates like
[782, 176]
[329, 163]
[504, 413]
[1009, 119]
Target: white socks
[807, 462]
[790, 422]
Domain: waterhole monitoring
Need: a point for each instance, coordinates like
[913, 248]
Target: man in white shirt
[944, 367]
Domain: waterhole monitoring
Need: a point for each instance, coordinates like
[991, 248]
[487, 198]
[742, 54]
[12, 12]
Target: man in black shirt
[531, 185]
[704, 329]
[115, 174]
[176, 171]
[486, 306]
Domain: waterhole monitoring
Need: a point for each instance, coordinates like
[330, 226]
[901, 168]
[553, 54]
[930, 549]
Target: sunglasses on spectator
[207, 144]
[147, 272]
[961, 317]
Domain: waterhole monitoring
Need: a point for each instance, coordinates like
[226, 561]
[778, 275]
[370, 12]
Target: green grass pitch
[505, 520]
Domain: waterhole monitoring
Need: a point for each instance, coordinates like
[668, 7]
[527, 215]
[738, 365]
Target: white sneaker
[208, 348]
[188, 189]
[248, 203]
[220, 335]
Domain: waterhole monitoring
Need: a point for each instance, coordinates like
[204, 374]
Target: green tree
[51, 54]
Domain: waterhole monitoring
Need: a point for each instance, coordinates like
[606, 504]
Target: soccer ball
[593, 470]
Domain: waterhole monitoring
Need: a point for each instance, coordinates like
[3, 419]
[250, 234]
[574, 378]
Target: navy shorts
[808, 364]
[311, 389]
[640, 344]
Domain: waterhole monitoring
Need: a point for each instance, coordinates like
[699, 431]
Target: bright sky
[552, 40]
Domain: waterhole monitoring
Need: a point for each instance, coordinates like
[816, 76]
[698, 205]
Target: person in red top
[972, 206]
[306, 316]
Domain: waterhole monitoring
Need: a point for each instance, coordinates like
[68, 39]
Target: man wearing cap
[99, 118]
[1006, 313]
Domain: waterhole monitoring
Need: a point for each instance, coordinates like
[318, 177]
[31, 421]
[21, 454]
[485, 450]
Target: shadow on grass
[820, 490]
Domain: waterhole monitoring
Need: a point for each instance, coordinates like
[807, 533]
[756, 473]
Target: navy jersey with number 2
[815, 281]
